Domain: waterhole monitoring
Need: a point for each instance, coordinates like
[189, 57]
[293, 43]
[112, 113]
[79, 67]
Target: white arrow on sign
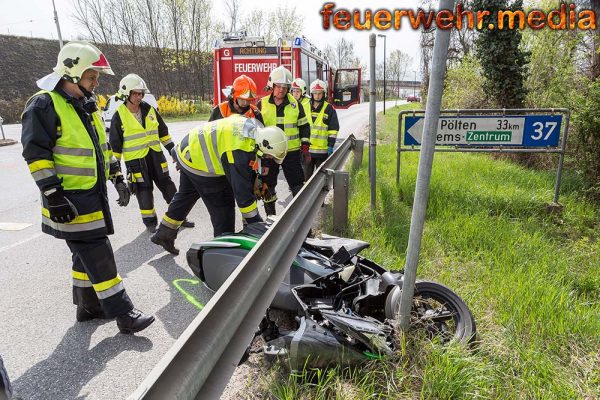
[474, 130]
[416, 131]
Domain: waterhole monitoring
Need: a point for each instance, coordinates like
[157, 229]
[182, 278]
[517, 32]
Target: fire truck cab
[237, 54]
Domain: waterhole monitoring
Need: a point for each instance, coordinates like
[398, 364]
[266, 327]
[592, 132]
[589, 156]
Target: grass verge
[531, 279]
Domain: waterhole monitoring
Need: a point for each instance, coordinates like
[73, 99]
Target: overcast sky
[36, 18]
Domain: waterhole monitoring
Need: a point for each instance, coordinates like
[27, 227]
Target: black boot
[151, 228]
[188, 224]
[88, 313]
[165, 237]
[134, 321]
[270, 208]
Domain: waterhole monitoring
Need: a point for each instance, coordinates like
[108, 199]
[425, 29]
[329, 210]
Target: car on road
[413, 99]
[112, 103]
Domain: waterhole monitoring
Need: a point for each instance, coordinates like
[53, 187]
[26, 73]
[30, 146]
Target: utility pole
[384, 40]
[60, 41]
[415, 84]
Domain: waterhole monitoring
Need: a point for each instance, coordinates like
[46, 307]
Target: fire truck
[237, 54]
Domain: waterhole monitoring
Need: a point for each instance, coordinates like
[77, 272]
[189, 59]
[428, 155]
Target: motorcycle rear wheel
[437, 310]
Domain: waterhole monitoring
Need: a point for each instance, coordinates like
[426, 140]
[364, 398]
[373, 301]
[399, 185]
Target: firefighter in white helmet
[324, 127]
[221, 177]
[299, 91]
[136, 133]
[240, 100]
[281, 109]
[66, 148]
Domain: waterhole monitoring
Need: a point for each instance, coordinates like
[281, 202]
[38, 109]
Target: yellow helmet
[78, 56]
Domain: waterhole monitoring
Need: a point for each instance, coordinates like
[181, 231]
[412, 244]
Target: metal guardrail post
[202, 360]
[359, 146]
[340, 201]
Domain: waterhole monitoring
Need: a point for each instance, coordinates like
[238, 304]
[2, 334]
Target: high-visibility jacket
[79, 158]
[324, 129]
[289, 122]
[137, 140]
[305, 101]
[204, 152]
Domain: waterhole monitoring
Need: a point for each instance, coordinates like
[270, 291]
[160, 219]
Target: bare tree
[341, 55]
[95, 17]
[286, 22]
[398, 64]
[233, 12]
[257, 24]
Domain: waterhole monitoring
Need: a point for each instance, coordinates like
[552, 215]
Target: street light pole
[384, 40]
[57, 25]
[415, 84]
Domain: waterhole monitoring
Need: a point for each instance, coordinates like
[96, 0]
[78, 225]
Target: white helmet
[76, 57]
[299, 83]
[131, 82]
[279, 76]
[272, 141]
[318, 86]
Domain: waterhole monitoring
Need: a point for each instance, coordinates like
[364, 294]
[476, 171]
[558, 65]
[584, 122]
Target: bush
[463, 86]
[10, 110]
[173, 107]
[586, 140]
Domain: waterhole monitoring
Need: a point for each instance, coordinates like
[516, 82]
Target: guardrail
[202, 360]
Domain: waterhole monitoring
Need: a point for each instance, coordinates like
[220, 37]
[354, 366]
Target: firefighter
[65, 146]
[282, 110]
[243, 95]
[298, 90]
[217, 164]
[324, 127]
[136, 132]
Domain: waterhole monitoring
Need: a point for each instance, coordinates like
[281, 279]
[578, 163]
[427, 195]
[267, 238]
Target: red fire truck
[237, 54]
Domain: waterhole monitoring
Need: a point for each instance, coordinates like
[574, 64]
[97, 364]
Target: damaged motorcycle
[346, 304]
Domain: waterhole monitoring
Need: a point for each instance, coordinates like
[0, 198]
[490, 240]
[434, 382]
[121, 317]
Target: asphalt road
[47, 353]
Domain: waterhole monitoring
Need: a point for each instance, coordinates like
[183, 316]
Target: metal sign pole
[434, 102]
[561, 159]
[372, 121]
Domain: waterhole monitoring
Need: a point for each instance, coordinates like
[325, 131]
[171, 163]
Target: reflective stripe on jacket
[137, 140]
[202, 149]
[320, 134]
[74, 154]
[289, 122]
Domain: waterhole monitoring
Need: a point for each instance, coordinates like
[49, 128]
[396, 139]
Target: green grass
[531, 279]
[191, 117]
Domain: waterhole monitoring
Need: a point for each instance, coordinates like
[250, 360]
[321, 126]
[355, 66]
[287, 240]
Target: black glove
[124, 193]
[60, 208]
[130, 184]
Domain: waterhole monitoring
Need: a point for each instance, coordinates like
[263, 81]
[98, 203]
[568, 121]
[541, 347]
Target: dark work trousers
[154, 168]
[5, 388]
[292, 170]
[94, 265]
[215, 192]
[315, 162]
